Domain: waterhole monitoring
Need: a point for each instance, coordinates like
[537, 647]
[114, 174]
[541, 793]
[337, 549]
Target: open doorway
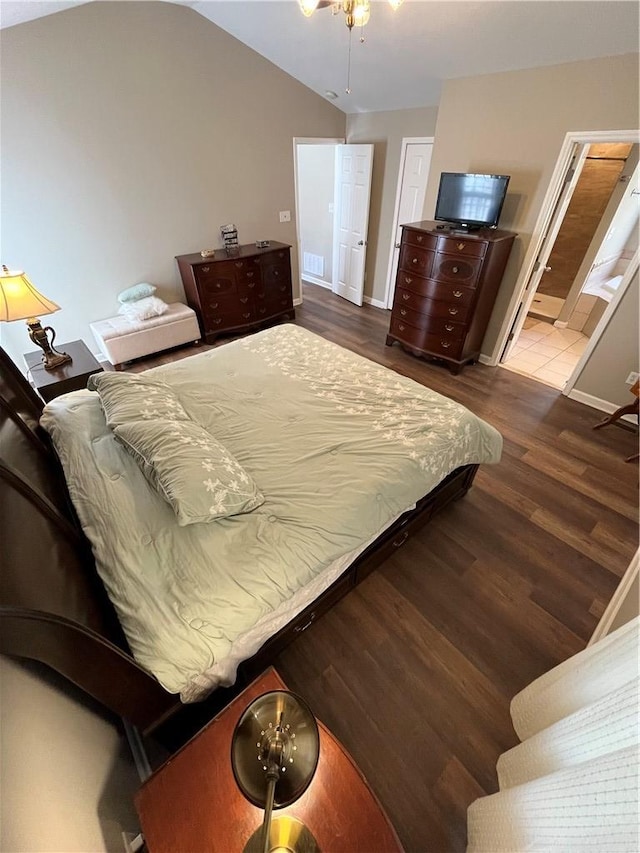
[333, 189]
[591, 237]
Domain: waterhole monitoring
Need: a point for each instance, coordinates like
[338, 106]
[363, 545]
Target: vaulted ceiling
[406, 55]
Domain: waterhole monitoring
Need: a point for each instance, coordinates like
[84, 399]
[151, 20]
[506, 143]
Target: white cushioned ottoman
[122, 340]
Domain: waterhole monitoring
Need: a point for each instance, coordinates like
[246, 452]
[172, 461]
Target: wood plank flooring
[414, 670]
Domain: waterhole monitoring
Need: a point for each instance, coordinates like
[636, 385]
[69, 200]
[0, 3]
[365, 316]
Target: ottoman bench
[123, 340]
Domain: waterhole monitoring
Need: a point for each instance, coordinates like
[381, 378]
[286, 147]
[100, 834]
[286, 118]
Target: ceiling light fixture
[356, 12]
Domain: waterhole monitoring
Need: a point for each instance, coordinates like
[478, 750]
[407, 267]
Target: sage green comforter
[338, 446]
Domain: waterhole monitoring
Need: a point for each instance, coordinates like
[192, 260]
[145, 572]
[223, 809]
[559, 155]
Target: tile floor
[546, 353]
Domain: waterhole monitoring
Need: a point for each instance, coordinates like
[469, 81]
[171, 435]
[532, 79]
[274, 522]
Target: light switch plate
[285, 216]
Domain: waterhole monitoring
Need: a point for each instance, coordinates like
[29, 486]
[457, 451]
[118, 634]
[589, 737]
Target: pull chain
[348, 89]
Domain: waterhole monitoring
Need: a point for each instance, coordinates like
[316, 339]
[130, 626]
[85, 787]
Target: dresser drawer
[439, 290]
[455, 268]
[462, 246]
[212, 280]
[434, 325]
[415, 259]
[423, 339]
[442, 310]
[229, 318]
[419, 238]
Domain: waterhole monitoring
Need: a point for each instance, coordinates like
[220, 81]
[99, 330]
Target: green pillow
[190, 469]
[132, 397]
[138, 291]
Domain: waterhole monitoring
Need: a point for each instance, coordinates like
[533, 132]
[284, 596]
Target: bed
[146, 604]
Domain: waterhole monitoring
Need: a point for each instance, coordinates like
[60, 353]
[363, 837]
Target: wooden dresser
[232, 292]
[446, 285]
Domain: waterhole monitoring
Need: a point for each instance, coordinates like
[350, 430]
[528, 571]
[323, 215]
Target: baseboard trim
[486, 359]
[377, 303]
[619, 596]
[311, 279]
[597, 403]
[297, 301]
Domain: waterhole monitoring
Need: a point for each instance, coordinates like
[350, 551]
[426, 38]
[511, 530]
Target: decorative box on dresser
[233, 292]
[446, 285]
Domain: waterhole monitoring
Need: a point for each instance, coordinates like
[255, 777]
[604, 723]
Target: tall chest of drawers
[445, 289]
[230, 293]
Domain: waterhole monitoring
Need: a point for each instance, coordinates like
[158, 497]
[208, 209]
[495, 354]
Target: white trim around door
[539, 234]
[304, 140]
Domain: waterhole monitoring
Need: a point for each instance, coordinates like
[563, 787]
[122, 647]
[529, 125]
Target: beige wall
[130, 132]
[385, 130]
[514, 123]
[316, 174]
[67, 777]
[615, 355]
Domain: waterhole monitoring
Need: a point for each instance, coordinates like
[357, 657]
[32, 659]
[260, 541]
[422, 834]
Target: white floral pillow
[195, 473]
[143, 309]
[127, 397]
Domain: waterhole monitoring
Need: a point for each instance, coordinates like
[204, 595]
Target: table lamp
[19, 300]
[274, 754]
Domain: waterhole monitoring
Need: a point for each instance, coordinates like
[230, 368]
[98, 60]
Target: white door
[352, 193]
[412, 188]
[540, 267]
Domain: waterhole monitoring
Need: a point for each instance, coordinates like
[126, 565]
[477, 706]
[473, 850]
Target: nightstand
[71, 376]
[192, 803]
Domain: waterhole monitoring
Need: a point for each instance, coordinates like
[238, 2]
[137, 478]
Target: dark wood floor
[414, 670]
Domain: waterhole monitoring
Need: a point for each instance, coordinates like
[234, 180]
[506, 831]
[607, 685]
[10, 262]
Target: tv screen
[471, 200]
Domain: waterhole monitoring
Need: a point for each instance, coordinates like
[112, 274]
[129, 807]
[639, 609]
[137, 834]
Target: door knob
[360, 242]
[547, 269]
[397, 245]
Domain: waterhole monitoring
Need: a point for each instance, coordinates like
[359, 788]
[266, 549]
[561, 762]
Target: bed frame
[53, 607]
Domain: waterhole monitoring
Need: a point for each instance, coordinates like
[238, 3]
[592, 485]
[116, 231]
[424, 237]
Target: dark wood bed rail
[53, 606]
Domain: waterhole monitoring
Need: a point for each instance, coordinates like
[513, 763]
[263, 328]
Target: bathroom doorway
[595, 239]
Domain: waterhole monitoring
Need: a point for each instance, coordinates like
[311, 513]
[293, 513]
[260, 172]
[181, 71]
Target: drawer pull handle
[406, 296]
[419, 238]
[250, 274]
[205, 269]
[446, 344]
[252, 284]
[276, 273]
[300, 628]
[218, 285]
[213, 305]
[407, 280]
[455, 269]
[246, 316]
[262, 310]
[397, 543]
[217, 321]
[457, 294]
[453, 310]
[448, 327]
[239, 264]
[244, 299]
[461, 246]
[414, 261]
[403, 311]
[401, 327]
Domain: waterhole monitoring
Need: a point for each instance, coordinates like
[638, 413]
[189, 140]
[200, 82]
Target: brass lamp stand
[51, 358]
[274, 754]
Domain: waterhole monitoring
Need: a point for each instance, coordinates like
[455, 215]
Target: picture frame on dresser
[241, 292]
[446, 286]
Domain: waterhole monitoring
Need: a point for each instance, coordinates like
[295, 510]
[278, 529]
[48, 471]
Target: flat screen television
[471, 201]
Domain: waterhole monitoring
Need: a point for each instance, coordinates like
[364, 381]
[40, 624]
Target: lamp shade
[19, 300]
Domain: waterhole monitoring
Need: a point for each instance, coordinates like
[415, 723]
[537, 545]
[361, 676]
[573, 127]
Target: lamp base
[286, 835]
[51, 358]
